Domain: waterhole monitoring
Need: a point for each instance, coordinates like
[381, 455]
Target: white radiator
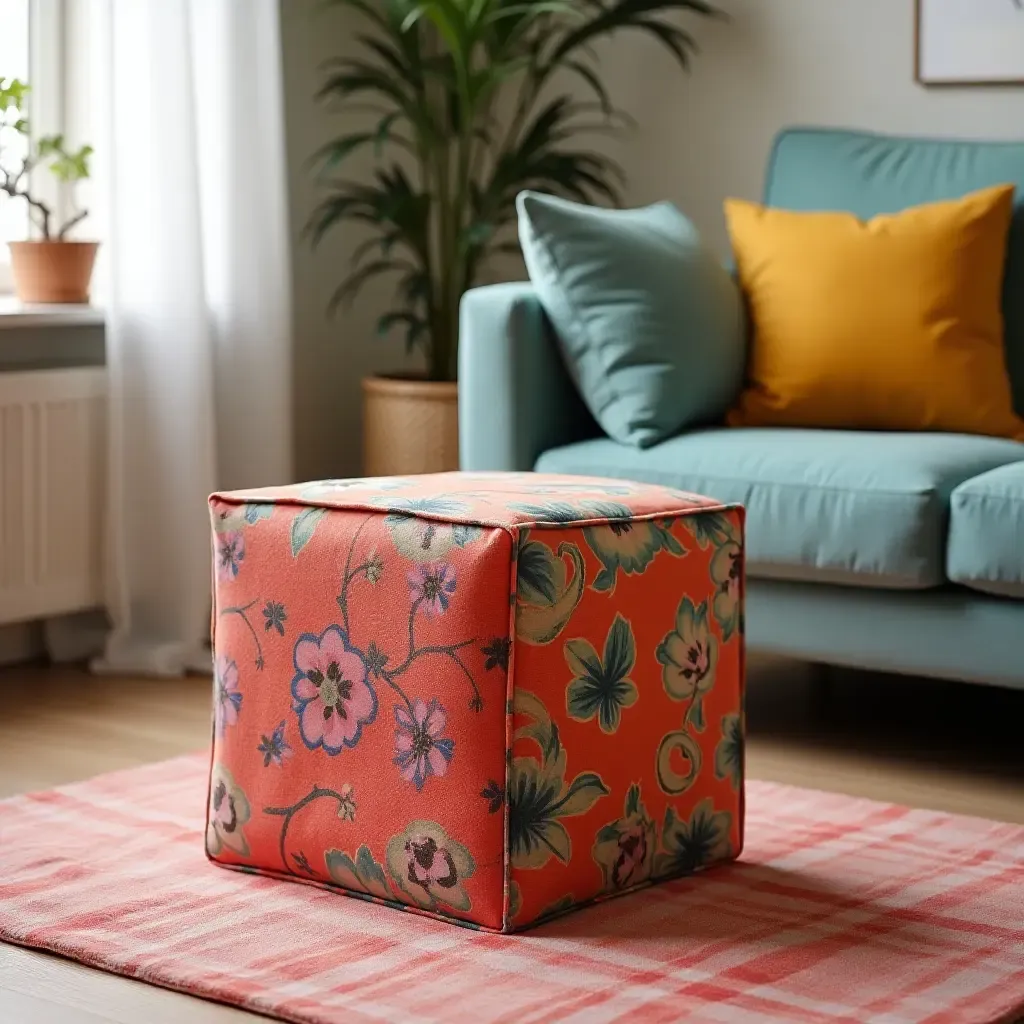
[53, 455]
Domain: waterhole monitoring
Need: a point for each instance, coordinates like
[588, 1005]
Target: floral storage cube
[490, 698]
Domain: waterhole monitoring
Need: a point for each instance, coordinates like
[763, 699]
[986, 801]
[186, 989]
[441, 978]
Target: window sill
[15, 314]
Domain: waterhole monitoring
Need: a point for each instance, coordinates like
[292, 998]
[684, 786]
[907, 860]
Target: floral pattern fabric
[333, 694]
[420, 749]
[486, 697]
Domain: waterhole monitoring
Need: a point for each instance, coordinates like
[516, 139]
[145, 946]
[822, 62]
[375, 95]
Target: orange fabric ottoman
[490, 698]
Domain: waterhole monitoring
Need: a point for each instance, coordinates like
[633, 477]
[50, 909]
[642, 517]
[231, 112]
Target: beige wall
[845, 63]
[331, 354]
[701, 138]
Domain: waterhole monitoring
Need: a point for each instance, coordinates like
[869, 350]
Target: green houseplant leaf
[67, 165]
[464, 111]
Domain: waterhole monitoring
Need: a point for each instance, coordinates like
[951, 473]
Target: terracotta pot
[53, 271]
[410, 425]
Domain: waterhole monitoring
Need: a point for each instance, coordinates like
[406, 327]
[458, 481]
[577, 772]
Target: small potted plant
[52, 268]
[472, 103]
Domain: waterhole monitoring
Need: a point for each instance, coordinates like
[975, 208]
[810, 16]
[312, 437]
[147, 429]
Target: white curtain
[190, 166]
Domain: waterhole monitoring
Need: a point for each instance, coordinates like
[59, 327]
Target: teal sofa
[893, 551]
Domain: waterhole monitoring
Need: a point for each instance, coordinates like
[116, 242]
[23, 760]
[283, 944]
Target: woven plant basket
[410, 425]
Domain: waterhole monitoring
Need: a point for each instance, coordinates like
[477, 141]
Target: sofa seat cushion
[831, 506]
[986, 532]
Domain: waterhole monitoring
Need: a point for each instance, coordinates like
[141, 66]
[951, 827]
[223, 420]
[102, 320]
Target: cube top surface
[489, 698]
[506, 500]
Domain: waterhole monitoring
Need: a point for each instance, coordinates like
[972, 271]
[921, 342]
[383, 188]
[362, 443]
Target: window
[14, 63]
[32, 48]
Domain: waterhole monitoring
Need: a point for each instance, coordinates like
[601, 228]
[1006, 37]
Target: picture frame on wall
[969, 42]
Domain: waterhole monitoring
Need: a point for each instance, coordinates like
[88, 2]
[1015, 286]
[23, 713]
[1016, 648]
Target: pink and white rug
[841, 910]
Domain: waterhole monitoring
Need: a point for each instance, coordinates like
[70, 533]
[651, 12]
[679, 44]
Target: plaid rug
[842, 910]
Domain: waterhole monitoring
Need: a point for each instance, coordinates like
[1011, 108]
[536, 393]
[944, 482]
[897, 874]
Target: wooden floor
[941, 745]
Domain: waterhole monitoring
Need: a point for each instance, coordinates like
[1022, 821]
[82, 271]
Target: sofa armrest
[515, 397]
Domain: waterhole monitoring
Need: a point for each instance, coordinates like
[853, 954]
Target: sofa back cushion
[648, 321]
[868, 174]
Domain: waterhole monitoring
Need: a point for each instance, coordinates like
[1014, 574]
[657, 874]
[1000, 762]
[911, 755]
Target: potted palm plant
[52, 268]
[472, 101]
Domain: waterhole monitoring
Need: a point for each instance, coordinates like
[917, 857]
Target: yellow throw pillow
[890, 324]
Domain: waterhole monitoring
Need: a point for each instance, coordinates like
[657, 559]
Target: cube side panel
[627, 752]
[360, 704]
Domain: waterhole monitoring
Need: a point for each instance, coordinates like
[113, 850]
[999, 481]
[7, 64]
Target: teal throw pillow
[650, 325]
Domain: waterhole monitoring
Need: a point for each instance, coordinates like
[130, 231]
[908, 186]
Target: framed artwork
[969, 42]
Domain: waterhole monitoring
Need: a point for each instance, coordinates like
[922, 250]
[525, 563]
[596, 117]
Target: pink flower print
[332, 691]
[429, 864]
[228, 812]
[228, 697]
[229, 551]
[431, 586]
[632, 856]
[419, 749]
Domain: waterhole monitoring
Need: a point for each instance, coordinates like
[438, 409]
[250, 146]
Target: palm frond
[350, 286]
[591, 78]
[623, 15]
[415, 326]
[434, 73]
